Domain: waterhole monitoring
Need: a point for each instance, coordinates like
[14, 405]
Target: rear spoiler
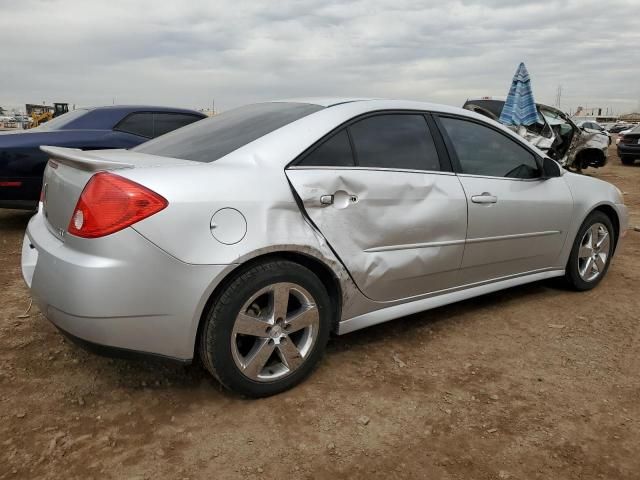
[89, 161]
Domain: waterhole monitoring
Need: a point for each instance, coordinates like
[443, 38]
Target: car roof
[372, 104]
[143, 108]
[304, 132]
[323, 101]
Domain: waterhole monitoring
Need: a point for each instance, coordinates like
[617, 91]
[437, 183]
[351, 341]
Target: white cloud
[186, 53]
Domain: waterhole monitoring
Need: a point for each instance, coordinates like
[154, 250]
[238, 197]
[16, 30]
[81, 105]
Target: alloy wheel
[274, 332]
[594, 252]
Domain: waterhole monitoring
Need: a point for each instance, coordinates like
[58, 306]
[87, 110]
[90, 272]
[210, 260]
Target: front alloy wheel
[594, 252]
[591, 252]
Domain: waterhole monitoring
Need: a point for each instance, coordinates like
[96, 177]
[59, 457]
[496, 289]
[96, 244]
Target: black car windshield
[213, 138]
[63, 120]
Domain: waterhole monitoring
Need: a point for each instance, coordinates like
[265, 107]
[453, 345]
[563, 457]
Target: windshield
[213, 138]
[63, 120]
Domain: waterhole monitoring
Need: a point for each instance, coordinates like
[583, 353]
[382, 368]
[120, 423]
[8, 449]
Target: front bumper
[623, 217]
[125, 293]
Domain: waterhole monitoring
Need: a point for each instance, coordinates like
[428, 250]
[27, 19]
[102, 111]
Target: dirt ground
[533, 382]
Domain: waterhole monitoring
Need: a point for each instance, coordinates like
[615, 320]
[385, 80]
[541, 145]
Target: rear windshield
[62, 121]
[213, 138]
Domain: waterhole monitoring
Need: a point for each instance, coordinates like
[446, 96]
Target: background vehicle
[629, 146]
[559, 137]
[22, 162]
[7, 121]
[619, 127]
[246, 238]
[40, 114]
[594, 127]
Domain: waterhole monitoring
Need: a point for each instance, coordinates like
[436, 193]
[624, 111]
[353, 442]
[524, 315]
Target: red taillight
[628, 140]
[10, 184]
[110, 203]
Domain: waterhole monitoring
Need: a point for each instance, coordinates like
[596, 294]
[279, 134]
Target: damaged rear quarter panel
[264, 197]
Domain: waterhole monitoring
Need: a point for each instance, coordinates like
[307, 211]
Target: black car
[22, 163]
[629, 146]
[619, 127]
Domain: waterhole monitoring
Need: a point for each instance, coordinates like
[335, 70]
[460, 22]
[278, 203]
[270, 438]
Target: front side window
[400, 141]
[484, 151]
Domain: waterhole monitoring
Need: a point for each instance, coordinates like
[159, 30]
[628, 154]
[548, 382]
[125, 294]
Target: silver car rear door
[399, 231]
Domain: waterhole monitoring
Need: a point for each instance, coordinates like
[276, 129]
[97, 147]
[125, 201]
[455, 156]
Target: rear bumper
[125, 294]
[19, 204]
[20, 192]
[116, 352]
[628, 150]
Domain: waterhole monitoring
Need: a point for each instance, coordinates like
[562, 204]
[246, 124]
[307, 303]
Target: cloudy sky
[186, 53]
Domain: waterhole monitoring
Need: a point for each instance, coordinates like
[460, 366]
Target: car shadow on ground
[12, 220]
[161, 375]
[447, 315]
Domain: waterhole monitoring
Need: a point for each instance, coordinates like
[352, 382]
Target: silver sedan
[247, 238]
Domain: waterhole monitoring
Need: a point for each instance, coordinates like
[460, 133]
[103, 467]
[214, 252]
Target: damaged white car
[559, 137]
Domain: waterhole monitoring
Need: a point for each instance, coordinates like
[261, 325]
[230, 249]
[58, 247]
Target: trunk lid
[69, 170]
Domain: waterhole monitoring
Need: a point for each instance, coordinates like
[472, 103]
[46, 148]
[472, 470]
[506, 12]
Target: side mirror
[550, 168]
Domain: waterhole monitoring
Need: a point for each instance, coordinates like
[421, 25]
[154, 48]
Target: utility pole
[558, 97]
[213, 106]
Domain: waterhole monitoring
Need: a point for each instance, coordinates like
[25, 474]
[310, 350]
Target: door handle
[326, 200]
[486, 197]
[339, 199]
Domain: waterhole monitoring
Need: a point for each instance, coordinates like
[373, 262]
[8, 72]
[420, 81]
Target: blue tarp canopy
[520, 107]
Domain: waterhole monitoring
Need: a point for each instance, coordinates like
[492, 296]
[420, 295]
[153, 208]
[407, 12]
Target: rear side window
[334, 152]
[484, 151]
[215, 137]
[168, 122]
[394, 141]
[140, 124]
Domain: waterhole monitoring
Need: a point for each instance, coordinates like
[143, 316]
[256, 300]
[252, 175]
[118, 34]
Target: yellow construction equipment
[43, 113]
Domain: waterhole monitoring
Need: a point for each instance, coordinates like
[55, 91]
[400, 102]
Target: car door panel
[524, 230]
[517, 219]
[399, 233]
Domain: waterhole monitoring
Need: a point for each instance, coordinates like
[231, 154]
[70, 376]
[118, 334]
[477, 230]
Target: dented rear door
[399, 233]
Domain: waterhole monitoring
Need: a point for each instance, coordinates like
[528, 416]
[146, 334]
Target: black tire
[627, 160]
[572, 274]
[216, 335]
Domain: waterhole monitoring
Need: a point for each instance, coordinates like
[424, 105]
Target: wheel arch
[323, 271]
[610, 212]
[590, 156]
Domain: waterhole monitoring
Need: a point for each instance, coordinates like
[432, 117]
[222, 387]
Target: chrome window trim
[471, 175]
[373, 169]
